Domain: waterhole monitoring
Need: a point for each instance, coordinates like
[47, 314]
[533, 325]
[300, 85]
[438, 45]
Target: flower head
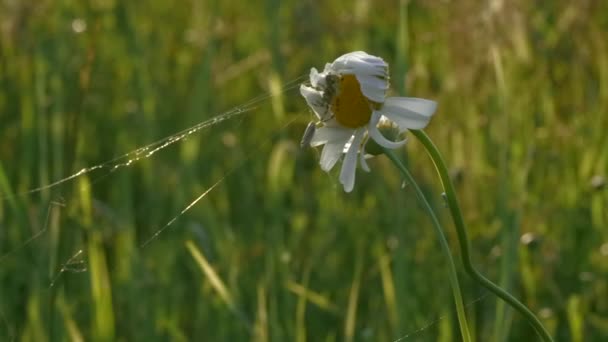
[349, 99]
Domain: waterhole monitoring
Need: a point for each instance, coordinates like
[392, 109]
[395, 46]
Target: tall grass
[523, 93]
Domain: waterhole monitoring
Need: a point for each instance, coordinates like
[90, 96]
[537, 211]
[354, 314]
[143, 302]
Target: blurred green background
[276, 251]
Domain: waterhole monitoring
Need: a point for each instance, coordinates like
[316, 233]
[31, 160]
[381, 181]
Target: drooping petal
[314, 99]
[409, 112]
[330, 155]
[362, 160]
[371, 72]
[375, 134]
[353, 54]
[315, 77]
[348, 143]
[373, 87]
[331, 135]
[349, 165]
[325, 94]
[422, 106]
[360, 62]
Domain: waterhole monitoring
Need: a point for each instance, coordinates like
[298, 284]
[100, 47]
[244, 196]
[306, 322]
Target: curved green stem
[462, 321]
[463, 240]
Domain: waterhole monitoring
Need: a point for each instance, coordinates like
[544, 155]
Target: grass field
[276, 251]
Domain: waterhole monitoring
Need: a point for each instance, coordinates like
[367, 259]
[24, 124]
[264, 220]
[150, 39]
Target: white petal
[311, 94]
[373, 81]
[349, 143]
[379, 70]
[375, 134]
[315, 77]
[314, 99]
[360, 62]
[371, 72]
[331, 135]
[354, 54]
[344, 61]
[362, 160]
[409, 112]
[330, 155]
[373, 87]
[349, 165]
[422, 106]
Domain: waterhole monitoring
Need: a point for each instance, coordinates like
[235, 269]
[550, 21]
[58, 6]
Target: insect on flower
[324, 102]
[349, 99]
[309, 132]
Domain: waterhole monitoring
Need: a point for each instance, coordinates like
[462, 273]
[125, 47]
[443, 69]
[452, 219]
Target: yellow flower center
[350, 107]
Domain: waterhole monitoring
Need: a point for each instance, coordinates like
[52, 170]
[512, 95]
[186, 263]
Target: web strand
[438, 319]
[206, 192]
[38, 234]
[74, 264]
[149, 150]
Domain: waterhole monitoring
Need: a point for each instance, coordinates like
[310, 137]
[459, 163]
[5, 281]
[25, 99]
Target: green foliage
[276, 251]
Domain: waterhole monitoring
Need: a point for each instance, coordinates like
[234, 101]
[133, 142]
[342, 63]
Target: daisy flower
[349, 99]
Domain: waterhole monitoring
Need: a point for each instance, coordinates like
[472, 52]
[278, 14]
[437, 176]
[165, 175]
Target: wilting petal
[330, 155]
[331, 135]
[362, 160]
[361, 63]
[371, 72]
[373, 87]
[314, 99]
[375, 134]
[409, 112]
[316, 79]
[349, 165]
[339, 137]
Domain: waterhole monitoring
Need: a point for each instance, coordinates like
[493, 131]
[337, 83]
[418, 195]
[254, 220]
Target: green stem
[464, 241]
[462, 320]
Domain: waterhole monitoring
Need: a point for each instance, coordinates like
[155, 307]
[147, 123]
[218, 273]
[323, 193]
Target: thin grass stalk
[453, 276]
[463, 240]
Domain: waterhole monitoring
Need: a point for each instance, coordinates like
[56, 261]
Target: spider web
[77, 262]
[149, 150]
